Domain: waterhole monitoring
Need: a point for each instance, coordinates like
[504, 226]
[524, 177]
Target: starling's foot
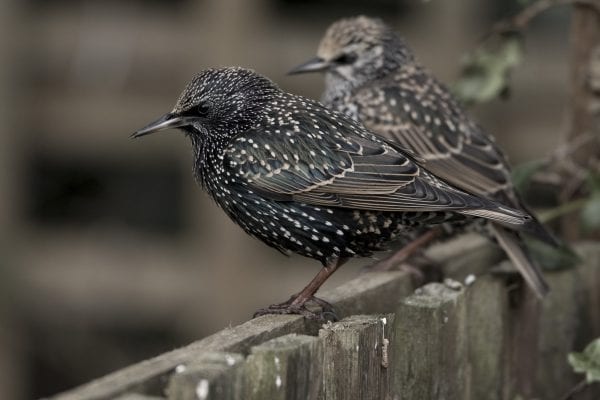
[326, 313]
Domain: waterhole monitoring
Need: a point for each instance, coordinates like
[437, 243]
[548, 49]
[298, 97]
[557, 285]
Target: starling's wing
[323, 158]
[413, 109]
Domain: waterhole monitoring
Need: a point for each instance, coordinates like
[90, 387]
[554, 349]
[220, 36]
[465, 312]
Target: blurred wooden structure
[484, 338]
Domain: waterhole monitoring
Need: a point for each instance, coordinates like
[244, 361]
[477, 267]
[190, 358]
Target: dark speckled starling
[372, 76]
[308, 180]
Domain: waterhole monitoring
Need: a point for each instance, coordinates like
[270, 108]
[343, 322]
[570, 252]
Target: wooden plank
[355, 357]
[148, 377]
[487, 331]
[370, 293]
[465, 255]
[214, 376]
[559, 320]
[135, 396]
[288, 367]
[430, 349]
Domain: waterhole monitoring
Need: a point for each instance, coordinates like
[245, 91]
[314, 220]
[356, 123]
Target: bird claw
[326, 312]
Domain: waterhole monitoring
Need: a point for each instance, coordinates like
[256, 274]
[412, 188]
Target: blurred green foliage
[522, 173]
[588, 361]
[485, 72]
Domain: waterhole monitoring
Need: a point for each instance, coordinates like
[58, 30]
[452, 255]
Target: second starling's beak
[167, 121]
[313, 65]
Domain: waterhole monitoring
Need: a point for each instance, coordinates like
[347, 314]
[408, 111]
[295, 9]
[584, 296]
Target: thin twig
[574, 390]
[560, 161]
[563, 209]
[521, 20]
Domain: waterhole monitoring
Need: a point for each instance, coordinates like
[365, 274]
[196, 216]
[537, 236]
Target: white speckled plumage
[306, 179]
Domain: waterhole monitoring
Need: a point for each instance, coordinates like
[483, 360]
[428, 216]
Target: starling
[305, 179]
[372, 76]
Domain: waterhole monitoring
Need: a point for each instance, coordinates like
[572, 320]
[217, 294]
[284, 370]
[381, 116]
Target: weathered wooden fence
[466, 338]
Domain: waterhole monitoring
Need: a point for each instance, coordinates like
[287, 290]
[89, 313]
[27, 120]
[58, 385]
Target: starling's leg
[405, 252]
[297, 303]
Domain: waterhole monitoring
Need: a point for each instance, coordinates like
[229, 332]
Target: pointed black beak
[313, 65]
[167, 121]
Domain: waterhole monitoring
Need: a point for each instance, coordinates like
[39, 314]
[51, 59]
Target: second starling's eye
[202, 109]
[345, 59]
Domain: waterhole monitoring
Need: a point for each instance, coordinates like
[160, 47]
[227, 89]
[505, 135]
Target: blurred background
[109, 252]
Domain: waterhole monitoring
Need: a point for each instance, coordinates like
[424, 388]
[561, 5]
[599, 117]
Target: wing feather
[318, 160]
[426, 119]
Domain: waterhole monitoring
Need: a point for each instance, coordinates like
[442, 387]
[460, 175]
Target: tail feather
[515, 219]
[509, 241]
[535, 229]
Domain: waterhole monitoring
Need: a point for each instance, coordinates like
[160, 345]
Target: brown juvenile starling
[372, 76]
[309, 180]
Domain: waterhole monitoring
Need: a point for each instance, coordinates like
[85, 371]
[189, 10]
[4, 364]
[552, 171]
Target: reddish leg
[297, 303]
[405, 252]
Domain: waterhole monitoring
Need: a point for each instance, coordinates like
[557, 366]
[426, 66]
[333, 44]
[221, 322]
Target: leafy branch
[485, 72]
[485, 75]
[520, 21]
[588, 363]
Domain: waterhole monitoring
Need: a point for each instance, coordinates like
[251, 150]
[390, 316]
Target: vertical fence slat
[213, 376]
[355, 351]
[589, 282]
[288, 368]
[487, 329]
[430, 344]
[558, 332]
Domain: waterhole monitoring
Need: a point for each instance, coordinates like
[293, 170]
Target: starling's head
[358, 48]
[218, 103]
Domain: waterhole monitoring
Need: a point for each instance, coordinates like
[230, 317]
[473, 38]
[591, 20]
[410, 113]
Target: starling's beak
[167, 121]
[313, 65]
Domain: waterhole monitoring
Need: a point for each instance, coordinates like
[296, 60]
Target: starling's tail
[535, 229]
[510, 243]
[519, 220]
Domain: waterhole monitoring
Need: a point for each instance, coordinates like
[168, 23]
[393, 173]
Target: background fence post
[430, 344]
[487, 331]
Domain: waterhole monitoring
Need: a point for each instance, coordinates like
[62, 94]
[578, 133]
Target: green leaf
[485, 71]
[551, 258]
[522, 173]
[588, 361]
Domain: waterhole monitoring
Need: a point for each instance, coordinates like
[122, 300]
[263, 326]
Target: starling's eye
[202, 109]
[345, 59]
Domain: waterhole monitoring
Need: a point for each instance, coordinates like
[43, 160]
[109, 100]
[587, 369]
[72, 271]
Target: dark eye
[202, 109]
[345, 59]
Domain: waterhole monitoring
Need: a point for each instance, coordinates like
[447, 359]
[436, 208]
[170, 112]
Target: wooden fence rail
[483, 339]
